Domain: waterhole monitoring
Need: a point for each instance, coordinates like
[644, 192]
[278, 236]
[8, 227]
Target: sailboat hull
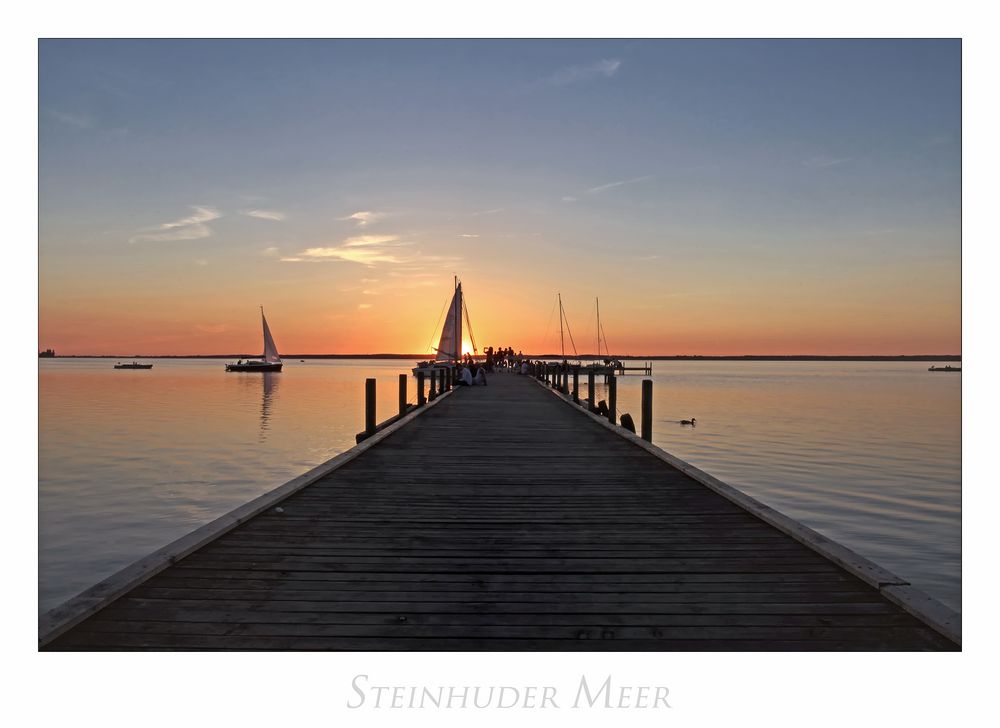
[253, 367]
[435, 366]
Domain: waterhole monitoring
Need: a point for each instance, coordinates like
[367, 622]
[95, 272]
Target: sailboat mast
[562, 342]
[263, 330]
[456, 313]
[598, 300]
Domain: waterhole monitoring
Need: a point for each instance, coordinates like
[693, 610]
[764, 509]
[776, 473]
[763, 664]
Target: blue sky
[630, 160]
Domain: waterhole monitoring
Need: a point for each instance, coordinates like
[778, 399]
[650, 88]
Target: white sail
[450, 347]
[270, 350]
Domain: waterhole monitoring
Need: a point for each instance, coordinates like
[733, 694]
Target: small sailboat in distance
[269, 362]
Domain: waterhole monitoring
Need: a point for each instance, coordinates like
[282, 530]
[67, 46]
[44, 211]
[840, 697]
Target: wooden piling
[433, 393]
[421, 398]
[647, 410]
[402, 394]
[612, 397]
[590, 390]
[370, 406]
[576, 385]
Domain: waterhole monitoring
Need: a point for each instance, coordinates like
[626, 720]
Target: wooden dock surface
[500, 519]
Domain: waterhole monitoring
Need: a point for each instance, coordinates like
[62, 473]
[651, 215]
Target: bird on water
[689, 422]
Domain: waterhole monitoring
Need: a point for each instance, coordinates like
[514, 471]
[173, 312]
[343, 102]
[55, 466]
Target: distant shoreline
[422, 357]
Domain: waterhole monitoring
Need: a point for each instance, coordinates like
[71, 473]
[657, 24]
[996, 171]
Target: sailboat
[449, 348]
[269, 362]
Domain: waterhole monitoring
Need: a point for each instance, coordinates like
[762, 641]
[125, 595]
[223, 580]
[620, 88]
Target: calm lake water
[866, 453]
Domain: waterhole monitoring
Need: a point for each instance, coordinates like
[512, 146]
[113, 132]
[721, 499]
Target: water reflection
[269, 389]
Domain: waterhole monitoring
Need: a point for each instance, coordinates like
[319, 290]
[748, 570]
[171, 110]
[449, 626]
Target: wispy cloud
[605, 68]
[191, 227]
[365, 249]
[78, 121]
[266, 215]
[492, 211]
[362, 240]
[363, 306]
[610, 185]
[468, 235]
[822, 161]
[363, 218]
[271, 251]
[365, 256]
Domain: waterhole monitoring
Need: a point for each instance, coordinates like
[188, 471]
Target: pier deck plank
[502, 520]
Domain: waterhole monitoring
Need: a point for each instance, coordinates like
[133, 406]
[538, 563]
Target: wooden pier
[504, 517]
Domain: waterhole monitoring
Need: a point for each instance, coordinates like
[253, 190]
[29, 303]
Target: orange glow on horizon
[861, 312]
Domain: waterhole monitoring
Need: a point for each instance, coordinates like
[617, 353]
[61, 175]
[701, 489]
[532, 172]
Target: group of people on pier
[502, 358]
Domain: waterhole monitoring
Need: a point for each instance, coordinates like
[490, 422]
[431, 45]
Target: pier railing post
[433, 393]
[647, 410]
[445, 379]
[565, 379]
[612, 398]
[402, 394]
[590, 390]
[370, 406]
[576, 385]
[421, 398]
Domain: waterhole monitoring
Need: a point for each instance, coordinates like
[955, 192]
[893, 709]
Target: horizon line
[553, 355]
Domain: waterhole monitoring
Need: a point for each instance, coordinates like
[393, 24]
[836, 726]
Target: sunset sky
[721, 197]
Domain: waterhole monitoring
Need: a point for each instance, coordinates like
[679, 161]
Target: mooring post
[445, 379]
[370, 406]
[402, 394]
[576, 385]
[590, 390]
[647, 410]
[433, 393]
[565, 379]
[612, 398]
[421, 399]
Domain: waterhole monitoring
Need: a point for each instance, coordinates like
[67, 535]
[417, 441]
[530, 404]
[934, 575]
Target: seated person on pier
[467, 379]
